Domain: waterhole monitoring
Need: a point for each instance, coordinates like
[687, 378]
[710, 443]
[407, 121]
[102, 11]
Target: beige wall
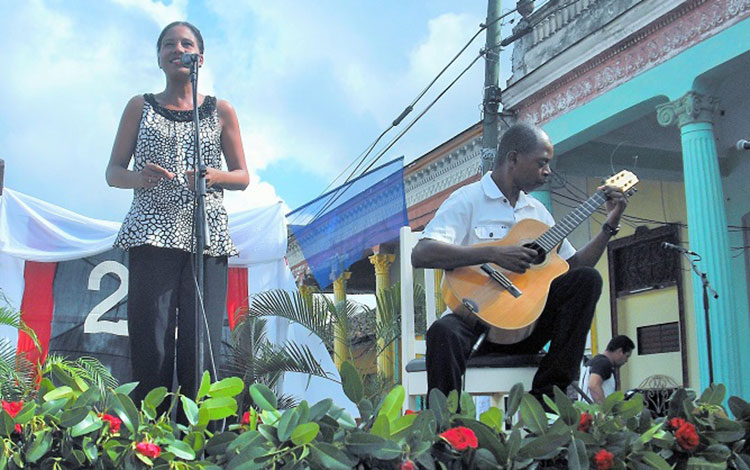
[648, 308]
[656, 200]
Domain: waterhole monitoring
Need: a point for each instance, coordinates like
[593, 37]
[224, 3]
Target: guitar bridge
[470, 305]
[501, 279]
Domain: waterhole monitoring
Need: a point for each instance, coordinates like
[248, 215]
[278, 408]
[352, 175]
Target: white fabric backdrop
[34, 230]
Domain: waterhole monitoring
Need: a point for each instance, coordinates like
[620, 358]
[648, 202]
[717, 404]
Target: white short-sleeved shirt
[479, 212]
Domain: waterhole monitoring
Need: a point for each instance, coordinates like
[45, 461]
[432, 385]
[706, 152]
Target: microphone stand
[199, 222]
[706, 288]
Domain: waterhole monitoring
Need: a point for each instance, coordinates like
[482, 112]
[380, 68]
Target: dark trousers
[161, 300]
[564, 323]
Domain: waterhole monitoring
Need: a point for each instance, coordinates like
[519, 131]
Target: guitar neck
[552, 237]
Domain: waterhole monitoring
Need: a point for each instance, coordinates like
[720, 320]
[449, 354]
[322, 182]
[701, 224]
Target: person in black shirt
[598, 380]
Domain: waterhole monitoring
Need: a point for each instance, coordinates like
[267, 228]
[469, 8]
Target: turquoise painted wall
[637, 97]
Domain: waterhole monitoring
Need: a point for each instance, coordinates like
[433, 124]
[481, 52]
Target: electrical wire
[331, 201]
[363, 156]
[414, 121]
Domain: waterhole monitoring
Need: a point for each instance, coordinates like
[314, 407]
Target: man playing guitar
[486, 211]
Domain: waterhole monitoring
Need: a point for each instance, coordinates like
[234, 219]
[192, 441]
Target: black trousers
[565, 323]
[161, 301]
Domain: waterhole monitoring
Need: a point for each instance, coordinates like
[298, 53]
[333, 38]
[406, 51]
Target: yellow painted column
[305, 291]
[386, 359]
[594, 339]
[439, 302]
[340, 342]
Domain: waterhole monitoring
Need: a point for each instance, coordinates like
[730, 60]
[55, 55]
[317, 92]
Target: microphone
[743, 144]
[678, 248]
[189, 59]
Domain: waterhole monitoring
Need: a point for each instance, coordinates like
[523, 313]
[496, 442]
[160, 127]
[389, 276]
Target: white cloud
[282, 45]
[312, 86]
[72, 75]
[447, 35]
[257, 194]
[159, 12]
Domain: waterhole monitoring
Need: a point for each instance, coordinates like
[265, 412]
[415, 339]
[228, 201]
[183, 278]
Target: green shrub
[75, 425]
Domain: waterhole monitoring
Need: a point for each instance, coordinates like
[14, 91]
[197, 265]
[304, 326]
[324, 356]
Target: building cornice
[443, 172]
[583, 56]
[664, 37]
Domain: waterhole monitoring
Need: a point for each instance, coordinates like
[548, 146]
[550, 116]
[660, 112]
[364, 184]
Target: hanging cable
[363, 156]
[331, 201]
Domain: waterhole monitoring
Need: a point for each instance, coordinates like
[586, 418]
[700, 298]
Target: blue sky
[313, 83]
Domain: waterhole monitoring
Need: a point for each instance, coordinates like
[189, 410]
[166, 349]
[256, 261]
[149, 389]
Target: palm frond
[342, 314]
[388, 324]
[97, 373]
[16, 373]
[286, 401]
[10, 317]
[312, 312]
[89, 369]
[420, 309]
[7, 353]
[253, 358]
[291, 358]
[250, 330]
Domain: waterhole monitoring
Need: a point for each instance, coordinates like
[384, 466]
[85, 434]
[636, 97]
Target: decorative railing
[558, 18]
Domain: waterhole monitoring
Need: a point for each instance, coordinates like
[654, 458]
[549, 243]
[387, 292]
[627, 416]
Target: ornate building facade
[658, 87]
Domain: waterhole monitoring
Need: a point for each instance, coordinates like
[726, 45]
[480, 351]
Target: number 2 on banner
[92, 324]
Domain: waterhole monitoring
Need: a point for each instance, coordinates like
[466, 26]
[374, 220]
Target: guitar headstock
[623, 180]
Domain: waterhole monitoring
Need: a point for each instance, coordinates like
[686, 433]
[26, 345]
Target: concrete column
[340, 342]
[707, 230]
[386, 359]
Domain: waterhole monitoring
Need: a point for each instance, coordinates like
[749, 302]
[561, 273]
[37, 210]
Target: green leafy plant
[324, 318]
[254, 359]
[74, 426]
[17, 373]
[73, 416]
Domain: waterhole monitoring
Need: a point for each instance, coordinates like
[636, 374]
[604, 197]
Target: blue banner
[336, 230]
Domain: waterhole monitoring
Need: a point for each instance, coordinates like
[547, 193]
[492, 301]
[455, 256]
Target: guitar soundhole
[541, 255]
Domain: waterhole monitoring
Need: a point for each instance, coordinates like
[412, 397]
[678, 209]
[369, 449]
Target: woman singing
[156, 131]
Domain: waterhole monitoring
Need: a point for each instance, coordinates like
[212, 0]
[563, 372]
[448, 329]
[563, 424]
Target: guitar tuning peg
[631, 191]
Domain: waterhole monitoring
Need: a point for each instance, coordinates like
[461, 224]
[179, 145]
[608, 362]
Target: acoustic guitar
[510, 303]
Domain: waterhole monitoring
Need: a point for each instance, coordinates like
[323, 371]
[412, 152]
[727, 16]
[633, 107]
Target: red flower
[245, 418]
[114, 422]
[149, 449]
[410, 412]
[12, 407]
[686, 436]
[676, 423]
[460, 438]
[407, 464]
[585, 422]
[18, 429]
[604, 460]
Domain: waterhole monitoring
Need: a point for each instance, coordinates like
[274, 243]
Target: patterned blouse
[163, 216]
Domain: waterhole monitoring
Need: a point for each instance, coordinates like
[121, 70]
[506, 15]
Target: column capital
[382, 261]
[692, 107]
[340, 282]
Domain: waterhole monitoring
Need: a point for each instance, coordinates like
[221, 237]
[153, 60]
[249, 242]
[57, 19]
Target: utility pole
[491, 100]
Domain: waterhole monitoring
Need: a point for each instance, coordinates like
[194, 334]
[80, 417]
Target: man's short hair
[521, 138]
[621, 341]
